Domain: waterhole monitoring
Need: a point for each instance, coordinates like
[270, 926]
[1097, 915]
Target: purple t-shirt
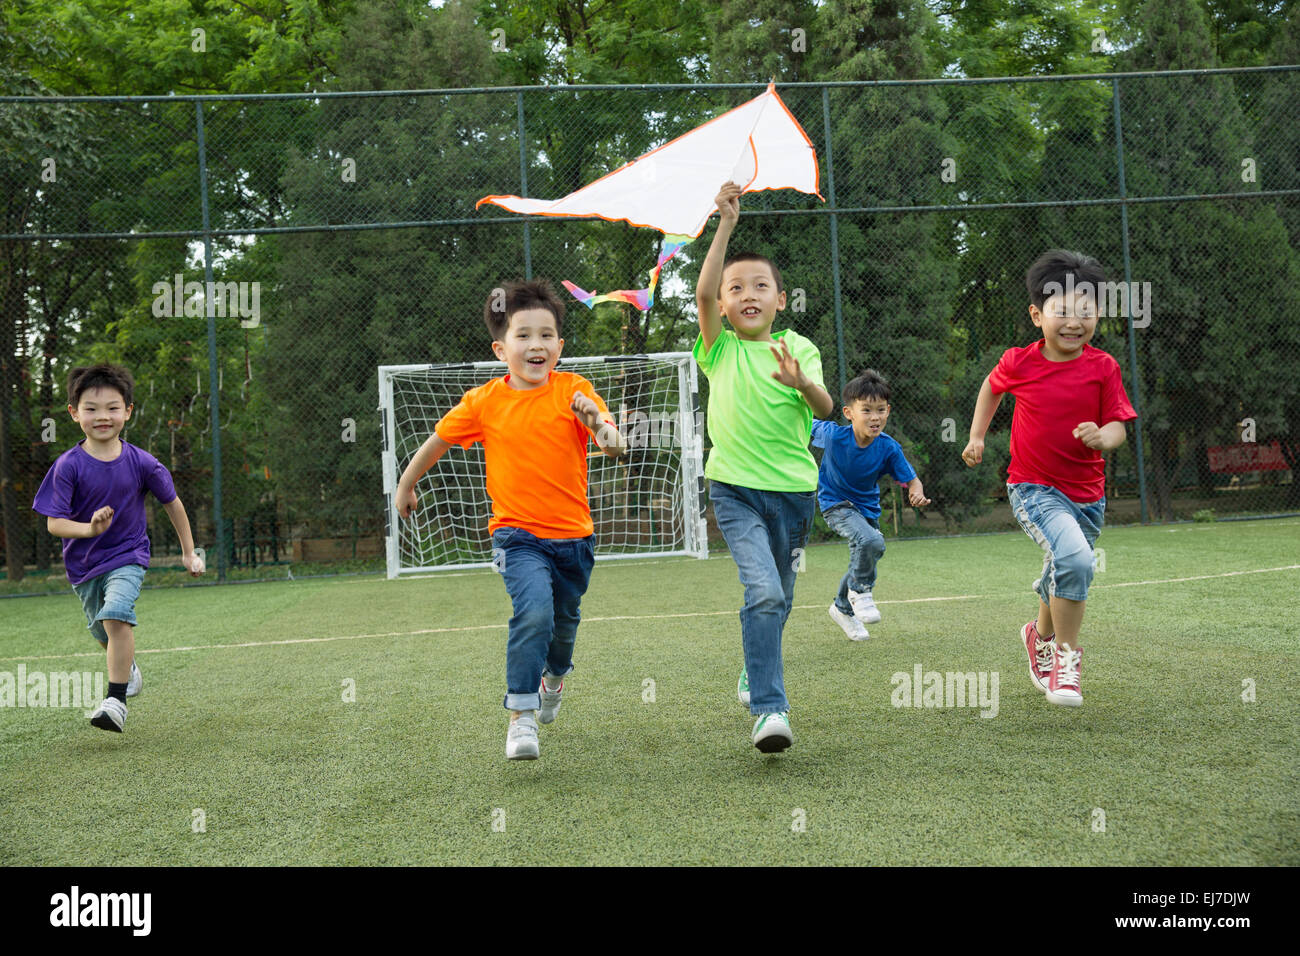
[80, 484]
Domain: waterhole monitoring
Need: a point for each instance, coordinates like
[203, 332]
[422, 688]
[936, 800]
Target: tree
[1222, 331]
[351, 301]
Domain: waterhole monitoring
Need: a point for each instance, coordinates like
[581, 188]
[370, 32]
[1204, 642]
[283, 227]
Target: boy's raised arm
[428, 455]
[706, 289]
[985, 406]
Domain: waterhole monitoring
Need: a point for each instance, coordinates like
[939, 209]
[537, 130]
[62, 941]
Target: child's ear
[72, 411]
[1035, 316]
[498, 350]
[129, 409]
[780, 301]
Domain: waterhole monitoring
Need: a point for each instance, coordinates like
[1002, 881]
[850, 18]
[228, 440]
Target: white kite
[759, 145]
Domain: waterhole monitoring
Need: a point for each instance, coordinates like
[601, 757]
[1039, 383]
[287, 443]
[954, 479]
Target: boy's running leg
[573, 560]
[1066, 530]
[742, 520]
[525, 567]
[121, 654]
[114, 593]
[866, 547]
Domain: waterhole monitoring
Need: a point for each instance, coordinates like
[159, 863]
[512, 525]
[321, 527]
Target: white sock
[552, 684]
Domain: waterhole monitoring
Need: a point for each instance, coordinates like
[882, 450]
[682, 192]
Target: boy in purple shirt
[93, 498]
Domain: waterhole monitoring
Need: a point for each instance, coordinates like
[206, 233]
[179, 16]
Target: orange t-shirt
[535, 450]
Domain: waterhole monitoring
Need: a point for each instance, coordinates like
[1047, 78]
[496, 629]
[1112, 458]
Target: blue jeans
[110, 596]
[866, 545]
[546, 579]
[1066, 531]
[765, 532]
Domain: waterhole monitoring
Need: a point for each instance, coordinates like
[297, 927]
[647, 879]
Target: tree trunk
[11, 305]
[1160, 442]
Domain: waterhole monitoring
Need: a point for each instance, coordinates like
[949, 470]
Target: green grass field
[243, 718]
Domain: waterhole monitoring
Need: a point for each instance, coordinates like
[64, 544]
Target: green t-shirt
[758, 427]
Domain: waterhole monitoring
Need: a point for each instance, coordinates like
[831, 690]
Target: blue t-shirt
[79, 484]
[850, 473]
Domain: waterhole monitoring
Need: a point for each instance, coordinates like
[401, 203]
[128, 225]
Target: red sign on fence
[1247, 456]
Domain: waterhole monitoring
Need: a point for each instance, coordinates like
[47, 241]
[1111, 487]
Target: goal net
[652, 504]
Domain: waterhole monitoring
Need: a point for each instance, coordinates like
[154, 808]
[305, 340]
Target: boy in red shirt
[534, 424]
[1070, 408]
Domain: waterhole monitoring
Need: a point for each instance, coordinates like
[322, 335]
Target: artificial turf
[246, 751]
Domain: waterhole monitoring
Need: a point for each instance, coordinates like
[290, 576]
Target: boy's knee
[765, 596]
[1074, 570]
[870, 540]
[534, 617]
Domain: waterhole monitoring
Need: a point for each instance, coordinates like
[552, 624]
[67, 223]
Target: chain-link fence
[342, 235]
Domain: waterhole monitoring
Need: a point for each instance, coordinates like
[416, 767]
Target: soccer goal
[650, 505]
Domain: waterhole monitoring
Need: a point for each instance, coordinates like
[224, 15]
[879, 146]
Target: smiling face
[750, 299]
[102, 413]
[530, 348]
[868, 417]
[1067, 326]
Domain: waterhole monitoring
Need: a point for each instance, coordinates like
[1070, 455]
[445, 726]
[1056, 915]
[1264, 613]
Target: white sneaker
[772, 733]
[521, 739]
[550, 702]
[136, 682]
[852, 626]
[864, 608]
[109, 715]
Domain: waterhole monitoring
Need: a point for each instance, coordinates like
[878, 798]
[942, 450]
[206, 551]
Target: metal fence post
[1135, 377]
[835, 238]
[523, 185]
[213, 371]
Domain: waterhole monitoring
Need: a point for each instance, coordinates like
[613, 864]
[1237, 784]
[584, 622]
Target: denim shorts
[110, 596]
[1066, 530]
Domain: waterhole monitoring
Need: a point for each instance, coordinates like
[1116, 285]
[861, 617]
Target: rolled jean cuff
[547, 672]
[123, 613]
[531, 701]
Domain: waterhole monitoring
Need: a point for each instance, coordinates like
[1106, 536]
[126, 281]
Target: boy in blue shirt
[855, 457]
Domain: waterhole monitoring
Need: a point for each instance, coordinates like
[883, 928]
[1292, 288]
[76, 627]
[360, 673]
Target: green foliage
[930, 300]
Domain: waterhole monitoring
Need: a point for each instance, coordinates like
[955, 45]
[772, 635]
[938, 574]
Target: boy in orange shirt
[534, 424]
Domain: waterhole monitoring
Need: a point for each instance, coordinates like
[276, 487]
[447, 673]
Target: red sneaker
[1063, 682]
[1042, 653]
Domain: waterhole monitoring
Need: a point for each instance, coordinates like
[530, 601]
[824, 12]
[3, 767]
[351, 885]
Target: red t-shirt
[535, 450]
[1052, 399]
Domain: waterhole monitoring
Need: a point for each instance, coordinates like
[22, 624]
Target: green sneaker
[772, 732]
[742, 687]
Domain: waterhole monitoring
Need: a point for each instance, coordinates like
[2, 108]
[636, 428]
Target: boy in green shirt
[762, 476]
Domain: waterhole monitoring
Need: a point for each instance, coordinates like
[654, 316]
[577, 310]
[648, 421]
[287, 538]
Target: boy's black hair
[85, 377]
[516, 296]
[869, 385]
[753, 257]
[1054, 265]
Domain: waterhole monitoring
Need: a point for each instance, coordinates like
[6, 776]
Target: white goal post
[650, 505]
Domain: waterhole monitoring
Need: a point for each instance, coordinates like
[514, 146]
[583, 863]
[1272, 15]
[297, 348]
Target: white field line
[620, 617]
[434, 575]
